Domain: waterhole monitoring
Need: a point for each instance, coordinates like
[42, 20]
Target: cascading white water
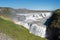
[38, 30]
[34, 22]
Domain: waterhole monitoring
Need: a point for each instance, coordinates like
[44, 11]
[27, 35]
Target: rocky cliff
[53, 29]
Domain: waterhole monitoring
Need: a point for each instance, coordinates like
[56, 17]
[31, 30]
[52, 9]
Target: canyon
[33, 20]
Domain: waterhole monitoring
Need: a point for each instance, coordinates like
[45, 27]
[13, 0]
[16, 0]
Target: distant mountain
[11, 13]
[8, 10]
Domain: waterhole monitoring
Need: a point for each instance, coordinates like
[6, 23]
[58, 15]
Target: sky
[31, 4]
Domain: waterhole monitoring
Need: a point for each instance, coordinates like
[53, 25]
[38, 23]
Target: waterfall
[34, 22]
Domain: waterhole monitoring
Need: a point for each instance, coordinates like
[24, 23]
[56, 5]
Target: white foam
[30, 22]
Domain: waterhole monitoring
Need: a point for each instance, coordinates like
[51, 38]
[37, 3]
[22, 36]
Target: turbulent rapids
[34, 22]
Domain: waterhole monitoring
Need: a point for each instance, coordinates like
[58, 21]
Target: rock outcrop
[53, 29]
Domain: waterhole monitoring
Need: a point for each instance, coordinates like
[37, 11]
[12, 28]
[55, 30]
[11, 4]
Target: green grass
[16, 32]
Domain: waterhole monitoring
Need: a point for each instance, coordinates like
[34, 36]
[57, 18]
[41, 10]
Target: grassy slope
[17, 32]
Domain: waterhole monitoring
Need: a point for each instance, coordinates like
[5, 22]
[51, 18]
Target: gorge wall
[53, 29]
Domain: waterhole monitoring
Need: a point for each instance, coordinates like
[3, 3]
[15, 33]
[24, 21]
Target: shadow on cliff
[52, 32]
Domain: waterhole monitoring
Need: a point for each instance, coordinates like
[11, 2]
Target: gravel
[4, 37]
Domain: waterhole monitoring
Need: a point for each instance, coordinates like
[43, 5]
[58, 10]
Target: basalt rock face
[53, 29]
